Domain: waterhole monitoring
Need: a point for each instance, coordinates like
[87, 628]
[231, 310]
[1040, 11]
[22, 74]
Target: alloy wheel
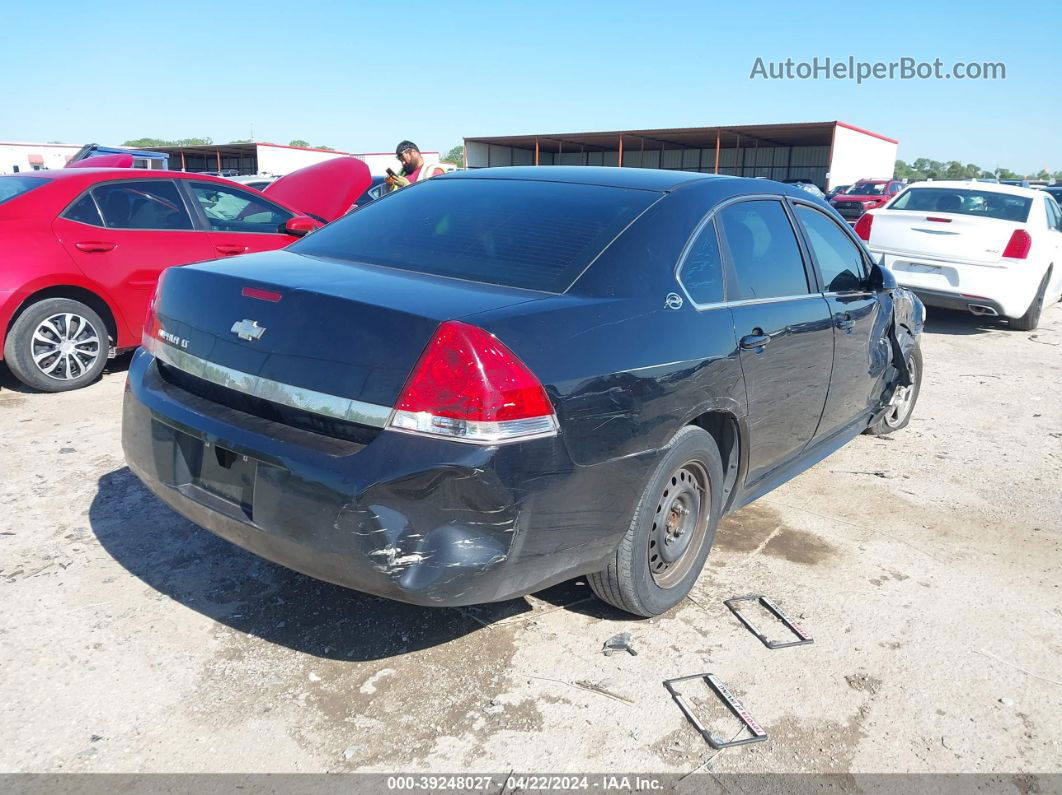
[903, 398]
[65, 346]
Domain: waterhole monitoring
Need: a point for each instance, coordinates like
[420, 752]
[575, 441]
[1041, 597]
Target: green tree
[954, 170]
[326, 148]
[1006, 173]
[455, 156]
[242, 141]
[299, 142]
[147, 143]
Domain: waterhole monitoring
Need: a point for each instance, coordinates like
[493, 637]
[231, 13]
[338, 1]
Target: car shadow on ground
[252, 595]
[954, 322]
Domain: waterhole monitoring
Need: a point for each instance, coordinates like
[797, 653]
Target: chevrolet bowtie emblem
[248, 330]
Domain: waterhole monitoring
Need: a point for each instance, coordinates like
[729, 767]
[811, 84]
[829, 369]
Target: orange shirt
[433, 171]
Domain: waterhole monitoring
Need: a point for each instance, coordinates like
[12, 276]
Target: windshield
[867, 189]
[962, 201]
[534, 235]
[10, 187]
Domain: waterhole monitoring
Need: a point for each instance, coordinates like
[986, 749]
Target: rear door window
[150, 204]
[702, 271]
[764, 251]
[1054, 215]
[839, 259]
[84, 211]
[233, 210]
[536, 235]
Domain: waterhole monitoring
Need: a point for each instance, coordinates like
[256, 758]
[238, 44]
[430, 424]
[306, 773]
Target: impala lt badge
[248, 330]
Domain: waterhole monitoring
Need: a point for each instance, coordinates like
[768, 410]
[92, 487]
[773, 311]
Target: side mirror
[881, 278]
[299, 226]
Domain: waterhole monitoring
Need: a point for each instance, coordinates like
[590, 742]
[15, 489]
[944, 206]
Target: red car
[867, 194]
[82, 248]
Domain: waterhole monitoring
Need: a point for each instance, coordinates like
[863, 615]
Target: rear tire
[671, 532]
[1031, 319]
[57, 345]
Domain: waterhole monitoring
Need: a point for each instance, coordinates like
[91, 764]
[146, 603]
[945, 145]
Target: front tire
[56, 345]
[1031, 319]
[899, 414]
[671, 532]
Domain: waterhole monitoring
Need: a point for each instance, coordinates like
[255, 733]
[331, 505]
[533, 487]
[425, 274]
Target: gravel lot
[926, 567]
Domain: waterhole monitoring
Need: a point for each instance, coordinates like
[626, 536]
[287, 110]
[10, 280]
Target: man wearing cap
[413, 167]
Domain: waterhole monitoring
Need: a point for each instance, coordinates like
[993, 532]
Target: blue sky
[360, 76]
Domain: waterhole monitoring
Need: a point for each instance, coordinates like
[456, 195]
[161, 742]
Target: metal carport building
[826, 153]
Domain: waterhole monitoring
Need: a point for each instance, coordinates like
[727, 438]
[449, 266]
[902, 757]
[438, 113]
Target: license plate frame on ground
[803, 638]
[736, 708]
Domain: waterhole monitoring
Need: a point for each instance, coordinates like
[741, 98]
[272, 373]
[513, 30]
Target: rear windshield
[979, 203]
[10, 187]
[535, 235]
[867, 189]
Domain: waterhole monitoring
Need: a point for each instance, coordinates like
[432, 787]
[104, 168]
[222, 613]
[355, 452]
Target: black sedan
[486, 384]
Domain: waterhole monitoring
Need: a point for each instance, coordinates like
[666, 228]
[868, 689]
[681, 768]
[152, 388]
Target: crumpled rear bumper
[419, 520]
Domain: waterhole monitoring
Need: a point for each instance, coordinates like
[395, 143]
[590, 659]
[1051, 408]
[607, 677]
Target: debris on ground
[599, 688]
[620, 642]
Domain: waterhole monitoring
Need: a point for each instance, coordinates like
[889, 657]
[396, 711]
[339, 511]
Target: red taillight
[468, 386]
[938, 220]
[862, 227]
[151, 320]
[1018, 246]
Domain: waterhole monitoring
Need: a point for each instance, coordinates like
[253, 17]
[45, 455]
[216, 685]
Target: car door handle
[230, 249]
[844, 322]
[95, 245]
[756, 341]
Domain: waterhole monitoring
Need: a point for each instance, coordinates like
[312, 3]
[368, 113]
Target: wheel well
[724, 430]
[87, 297]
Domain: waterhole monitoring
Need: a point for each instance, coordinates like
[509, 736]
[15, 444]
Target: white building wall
[15, 157]
[281, 160]
[858, 155]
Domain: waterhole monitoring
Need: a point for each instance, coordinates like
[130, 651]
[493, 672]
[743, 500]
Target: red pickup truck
[867, 194]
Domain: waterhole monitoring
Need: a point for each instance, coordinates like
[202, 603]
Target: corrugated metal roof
[796, 134]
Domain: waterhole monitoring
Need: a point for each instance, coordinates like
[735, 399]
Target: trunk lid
[941, 235]
[348, 330]
[326, 190]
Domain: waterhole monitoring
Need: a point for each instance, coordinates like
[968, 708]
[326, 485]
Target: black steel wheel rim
[680, 523]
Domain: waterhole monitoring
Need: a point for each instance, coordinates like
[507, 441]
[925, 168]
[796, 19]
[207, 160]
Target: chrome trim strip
[292, 396]
[777, 300]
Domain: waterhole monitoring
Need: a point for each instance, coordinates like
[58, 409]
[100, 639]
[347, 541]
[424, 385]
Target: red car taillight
[862, 227]
[1019, 245]
[467, 386]
[151, 320]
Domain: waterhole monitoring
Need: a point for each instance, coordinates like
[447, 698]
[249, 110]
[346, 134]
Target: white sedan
[985, 248]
